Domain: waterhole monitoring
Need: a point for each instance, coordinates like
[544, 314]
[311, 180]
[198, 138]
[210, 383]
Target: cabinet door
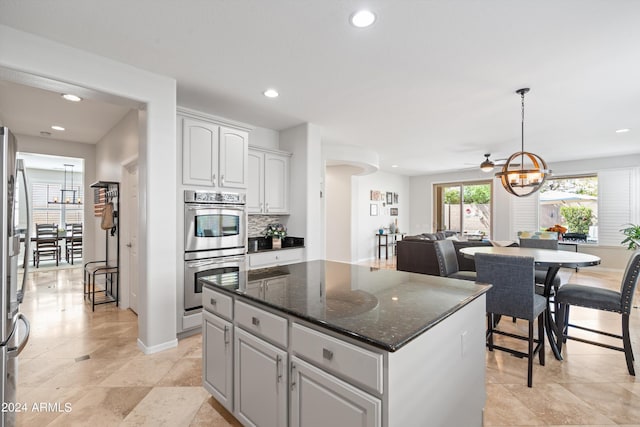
[255, 185]
[217, 365]
[234, 147]
[319, 399]
[199, 152]
[260, 382]
[276, 183]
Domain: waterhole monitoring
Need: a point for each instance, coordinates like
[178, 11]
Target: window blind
[524, 214]
[615, 202]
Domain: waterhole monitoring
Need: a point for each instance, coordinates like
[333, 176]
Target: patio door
[463, 207]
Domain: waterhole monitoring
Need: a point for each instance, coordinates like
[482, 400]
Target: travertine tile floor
[118, 385]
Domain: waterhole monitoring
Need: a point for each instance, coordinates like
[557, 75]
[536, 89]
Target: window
[571, 202]
[463, 207]
[53, 213]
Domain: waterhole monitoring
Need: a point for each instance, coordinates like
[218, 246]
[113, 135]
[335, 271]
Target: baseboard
[158, 347]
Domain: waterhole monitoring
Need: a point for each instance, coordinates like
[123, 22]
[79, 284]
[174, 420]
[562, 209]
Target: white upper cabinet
[255, 189]
[213, 155]
[234, 147]
[199, 152]
[276, 183]
[268, 190]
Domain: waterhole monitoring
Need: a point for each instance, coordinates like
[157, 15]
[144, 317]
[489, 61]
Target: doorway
[131, 204]
[56, 195]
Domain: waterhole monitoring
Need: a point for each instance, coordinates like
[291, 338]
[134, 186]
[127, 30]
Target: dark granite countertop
[384, 308]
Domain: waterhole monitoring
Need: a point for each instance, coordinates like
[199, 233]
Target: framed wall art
[373, 209]
[393, 211]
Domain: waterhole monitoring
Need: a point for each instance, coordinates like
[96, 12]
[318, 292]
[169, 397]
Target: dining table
[553, 261]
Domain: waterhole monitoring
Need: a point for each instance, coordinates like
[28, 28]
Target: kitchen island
[326, 343]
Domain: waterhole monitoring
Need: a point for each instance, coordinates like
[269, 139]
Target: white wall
[116, 148]
[338, 222]
[265, 138]
[366, 225]
[118, 145]
[33, 55]
[307, 207]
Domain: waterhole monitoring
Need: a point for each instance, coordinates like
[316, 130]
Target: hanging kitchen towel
[107, 217]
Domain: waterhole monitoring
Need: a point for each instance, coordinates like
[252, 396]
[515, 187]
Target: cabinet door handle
[213, 302]
[222, 180]
[213, 179]
[278, 370]
[226, 334]
[261, 207]
[327, 354]
[255, 321]
[266, 209]
[293, 376]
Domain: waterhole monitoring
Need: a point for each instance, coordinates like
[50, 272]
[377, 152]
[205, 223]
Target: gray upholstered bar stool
[601, 299]
[541, 273]
[448, 261]
[513, 294]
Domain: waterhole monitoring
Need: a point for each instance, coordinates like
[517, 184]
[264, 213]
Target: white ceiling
[430, 86]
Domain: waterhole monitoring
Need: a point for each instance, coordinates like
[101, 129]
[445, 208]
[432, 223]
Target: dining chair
[448, 261]
[541, 272]
[46, 243]
[601, 299]
[73, 242]
[513, 294]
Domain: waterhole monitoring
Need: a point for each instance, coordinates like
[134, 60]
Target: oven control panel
[191, 196]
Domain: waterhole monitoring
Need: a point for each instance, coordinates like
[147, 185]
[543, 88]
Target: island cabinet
[261, 374]
[268, 188]
[319, 399]
[318, 396]
[213, 155]
[217, 336]
[336, 344]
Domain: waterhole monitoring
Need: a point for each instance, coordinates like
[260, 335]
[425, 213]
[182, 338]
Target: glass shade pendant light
[526, 177]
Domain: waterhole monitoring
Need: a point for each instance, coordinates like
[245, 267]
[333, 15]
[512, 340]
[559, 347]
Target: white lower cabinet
[261, 379]
[319, 399]
[217, 361]
[271, 370]
[275, 258]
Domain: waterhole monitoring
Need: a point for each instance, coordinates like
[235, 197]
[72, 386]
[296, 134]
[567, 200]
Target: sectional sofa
[417, 253]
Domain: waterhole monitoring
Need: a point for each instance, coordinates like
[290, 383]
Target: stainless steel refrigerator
[13, 338]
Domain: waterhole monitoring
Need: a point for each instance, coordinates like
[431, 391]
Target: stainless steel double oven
[215, 239]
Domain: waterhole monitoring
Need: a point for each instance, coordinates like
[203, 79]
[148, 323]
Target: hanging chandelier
[67, 195]
[526, 177]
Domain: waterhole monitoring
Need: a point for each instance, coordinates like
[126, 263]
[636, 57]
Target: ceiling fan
[487, 165]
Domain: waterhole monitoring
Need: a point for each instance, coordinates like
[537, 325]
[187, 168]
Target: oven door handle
[224, 260]
[192, 207]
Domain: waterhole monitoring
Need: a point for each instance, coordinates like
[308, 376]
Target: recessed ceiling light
[622, 130]
[56, 127]
[271, 93]
[363, 18]
[394, 166]
[71, 97]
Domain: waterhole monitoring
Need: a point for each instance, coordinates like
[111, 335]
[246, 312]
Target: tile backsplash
[257, 223]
